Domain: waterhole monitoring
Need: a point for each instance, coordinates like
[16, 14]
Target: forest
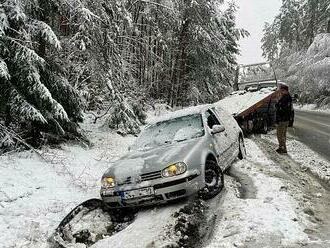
[60, 59]
[297, 42]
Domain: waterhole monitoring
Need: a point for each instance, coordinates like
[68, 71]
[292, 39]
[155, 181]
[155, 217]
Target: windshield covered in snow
[167, 132]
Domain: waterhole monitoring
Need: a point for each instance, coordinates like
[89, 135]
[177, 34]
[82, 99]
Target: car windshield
[167, 132]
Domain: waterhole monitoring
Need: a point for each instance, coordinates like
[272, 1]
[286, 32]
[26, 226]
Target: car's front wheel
[214, 181]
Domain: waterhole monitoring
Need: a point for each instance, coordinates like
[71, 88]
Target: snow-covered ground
[311, 107]
[37, 193]
[267, 216]
[258, 208]
[305, 157]
[147, 230]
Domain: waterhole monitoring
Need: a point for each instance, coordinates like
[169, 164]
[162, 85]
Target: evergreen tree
[297, 43]
[34, 94]
[270, 41]
[297, 24]
[120, 55]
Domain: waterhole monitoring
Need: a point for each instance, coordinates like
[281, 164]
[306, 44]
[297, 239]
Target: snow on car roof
[180, 113]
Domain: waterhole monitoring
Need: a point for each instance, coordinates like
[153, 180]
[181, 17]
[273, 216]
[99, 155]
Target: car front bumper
[164, 190]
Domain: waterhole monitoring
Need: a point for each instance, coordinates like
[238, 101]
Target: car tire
[241, 148]
[214, 180]
[264, 128]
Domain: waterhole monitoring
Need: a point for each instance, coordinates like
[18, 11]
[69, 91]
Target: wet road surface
[313, 129]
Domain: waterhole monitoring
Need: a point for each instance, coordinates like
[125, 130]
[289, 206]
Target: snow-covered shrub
[161, 109]
[123, 119]
[6, 140]
[125, 116]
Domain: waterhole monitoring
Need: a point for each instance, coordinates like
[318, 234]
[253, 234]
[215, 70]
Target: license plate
[138, 193]
[108, 192]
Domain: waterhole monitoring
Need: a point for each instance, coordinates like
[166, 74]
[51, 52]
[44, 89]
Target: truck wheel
[214, 180]
[241, 148]
[264, 128]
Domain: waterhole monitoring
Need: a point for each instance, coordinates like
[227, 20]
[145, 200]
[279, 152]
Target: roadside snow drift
[37, 193]
[267, 218]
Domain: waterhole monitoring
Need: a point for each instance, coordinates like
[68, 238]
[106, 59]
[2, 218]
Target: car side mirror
[217, 129]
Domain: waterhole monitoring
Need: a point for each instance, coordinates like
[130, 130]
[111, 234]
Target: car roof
[181, 113]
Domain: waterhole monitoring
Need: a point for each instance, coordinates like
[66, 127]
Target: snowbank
[306, 158]
[146, 230]
[36, 194]
[311, 107]
[268, 218]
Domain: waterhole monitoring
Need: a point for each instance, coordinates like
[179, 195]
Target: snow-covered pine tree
[35, 95]
[298, 22]
[96, 55]
[206, 45]
[178, 51]
[298, 43]
[270, 40]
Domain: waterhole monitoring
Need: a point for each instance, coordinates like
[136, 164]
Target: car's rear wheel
[264, 128]
[214, 181]
[241, 147]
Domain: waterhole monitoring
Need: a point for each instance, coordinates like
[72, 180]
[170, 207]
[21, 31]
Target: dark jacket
[284, 109]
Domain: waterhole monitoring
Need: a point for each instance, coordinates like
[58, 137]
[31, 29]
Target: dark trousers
[281, 134]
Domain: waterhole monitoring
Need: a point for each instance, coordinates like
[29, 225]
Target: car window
[169, 131]
[211, 119]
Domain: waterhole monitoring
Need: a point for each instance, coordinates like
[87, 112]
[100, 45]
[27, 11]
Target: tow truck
[252, 103]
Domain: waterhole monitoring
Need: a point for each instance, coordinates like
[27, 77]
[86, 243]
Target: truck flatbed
[242, 103]
[253, 110]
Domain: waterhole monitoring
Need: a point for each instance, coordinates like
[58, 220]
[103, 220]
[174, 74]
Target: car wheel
[264, 128]
[241, 147]
[214, 180]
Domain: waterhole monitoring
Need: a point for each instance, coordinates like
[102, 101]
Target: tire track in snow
[263, 215]
[245, 186]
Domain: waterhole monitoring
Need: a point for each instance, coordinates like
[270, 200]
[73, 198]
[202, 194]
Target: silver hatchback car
[181, 154]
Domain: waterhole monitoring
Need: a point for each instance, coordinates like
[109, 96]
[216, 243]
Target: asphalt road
[313, 129]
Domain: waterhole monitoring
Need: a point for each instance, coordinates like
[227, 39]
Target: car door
[221, 140]
[232, 132]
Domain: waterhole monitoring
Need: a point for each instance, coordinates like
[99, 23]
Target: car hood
[136, 163]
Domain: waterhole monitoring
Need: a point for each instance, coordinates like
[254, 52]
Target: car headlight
[108, 182]
[174, 169]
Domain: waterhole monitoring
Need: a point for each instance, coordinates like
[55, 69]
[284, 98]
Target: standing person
[284, 110]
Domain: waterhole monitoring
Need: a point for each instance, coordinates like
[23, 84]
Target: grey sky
[252, 15]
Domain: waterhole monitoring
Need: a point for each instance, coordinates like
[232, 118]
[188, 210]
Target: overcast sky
[252, 15]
